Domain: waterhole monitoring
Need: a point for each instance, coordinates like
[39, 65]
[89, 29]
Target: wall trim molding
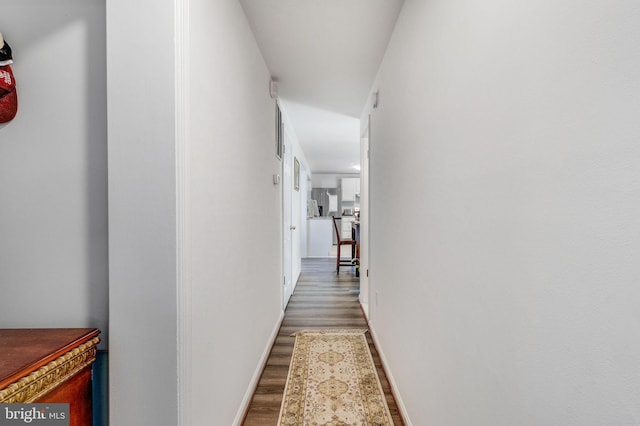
[184, 338]
[387, 371]
[246, 401]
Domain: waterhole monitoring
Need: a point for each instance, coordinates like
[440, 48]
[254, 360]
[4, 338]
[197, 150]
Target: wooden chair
[341, 243]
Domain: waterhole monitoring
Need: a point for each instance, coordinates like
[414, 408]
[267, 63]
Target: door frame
[287, 217]
[365, 217]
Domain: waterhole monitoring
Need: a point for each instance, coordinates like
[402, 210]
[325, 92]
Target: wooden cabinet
[49, 365]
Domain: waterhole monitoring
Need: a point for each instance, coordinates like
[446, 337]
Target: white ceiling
[324, 54]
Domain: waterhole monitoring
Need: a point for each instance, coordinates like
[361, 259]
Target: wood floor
[321, 299]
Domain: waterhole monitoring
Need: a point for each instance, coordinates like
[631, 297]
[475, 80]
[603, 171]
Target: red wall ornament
[8, 93]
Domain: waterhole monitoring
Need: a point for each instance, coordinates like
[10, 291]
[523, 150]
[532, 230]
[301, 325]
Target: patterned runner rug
[333, 382]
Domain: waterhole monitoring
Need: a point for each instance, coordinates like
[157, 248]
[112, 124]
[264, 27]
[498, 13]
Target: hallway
[322, 299]
[143, 196]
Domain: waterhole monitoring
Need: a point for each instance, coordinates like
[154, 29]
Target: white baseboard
[392, 382]
[365, 309]
[244, 406]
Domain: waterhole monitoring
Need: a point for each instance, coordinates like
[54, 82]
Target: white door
[287, 226]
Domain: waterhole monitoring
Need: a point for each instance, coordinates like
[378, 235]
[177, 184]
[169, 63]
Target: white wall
[143, 359]
[53, 168]
[510, 296]
[236, 252]
[195, 285]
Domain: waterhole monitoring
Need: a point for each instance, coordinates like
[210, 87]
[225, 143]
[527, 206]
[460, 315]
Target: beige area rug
[333, 382]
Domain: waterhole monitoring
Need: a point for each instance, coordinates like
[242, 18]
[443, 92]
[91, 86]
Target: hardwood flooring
[322, 299]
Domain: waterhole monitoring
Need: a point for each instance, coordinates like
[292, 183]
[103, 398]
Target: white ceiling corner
[324, 55]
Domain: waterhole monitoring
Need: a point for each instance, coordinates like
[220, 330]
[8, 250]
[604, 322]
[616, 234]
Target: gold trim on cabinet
[50, 376]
